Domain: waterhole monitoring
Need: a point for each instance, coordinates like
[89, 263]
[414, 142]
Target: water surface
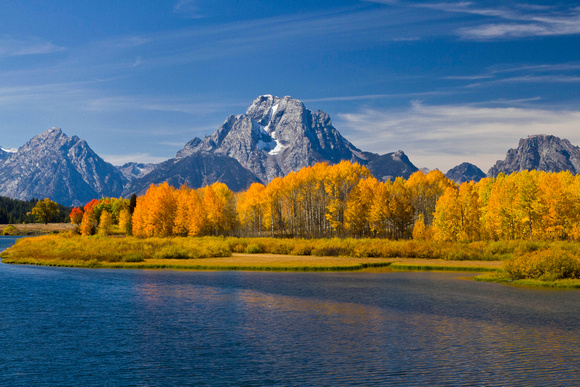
[125, 327]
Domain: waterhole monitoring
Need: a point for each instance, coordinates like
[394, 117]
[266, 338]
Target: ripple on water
[95, 327]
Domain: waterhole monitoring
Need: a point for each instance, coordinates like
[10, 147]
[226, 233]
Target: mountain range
[274, 137]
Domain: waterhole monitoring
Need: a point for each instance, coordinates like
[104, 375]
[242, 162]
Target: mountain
[391, 166]
[279, 135]
[64, 169]
[196, 171]
[134, 171]
[540, 152]
[464, 173]
[273, 138]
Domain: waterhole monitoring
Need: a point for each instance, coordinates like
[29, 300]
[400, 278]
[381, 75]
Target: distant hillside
[540, 152]
[13, 211]
[465, 172]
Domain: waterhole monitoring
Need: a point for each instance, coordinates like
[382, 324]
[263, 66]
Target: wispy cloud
[517, 20]
[176, 105]
[446, 135]
[188, 8]
[133, 157]
[33, 46]
[374, 96]
[558, 73]
[531, 79]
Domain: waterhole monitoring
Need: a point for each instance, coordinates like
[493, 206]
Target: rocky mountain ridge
[464, 173]
[274, 137]
[277, 136]
[540, 152]
[62, 168]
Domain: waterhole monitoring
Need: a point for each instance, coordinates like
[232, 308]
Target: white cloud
[18, 47]
[446, 135]
[187, 7]
[177, 105]
[133, 157]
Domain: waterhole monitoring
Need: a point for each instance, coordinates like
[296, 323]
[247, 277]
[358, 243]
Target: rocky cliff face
[197, 170]
[391, 166]
[64, 169]
[277, 136]
[273, 138]
[134, 171]
[542, 153]
[464, 173]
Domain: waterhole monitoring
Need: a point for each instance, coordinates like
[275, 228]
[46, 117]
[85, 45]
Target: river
[139, 327]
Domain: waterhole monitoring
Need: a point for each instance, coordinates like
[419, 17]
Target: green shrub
[172, 252]
[10, 230]
[303, 248]
[239, 248]
[133, 257]
[254, 249]
[546, 265]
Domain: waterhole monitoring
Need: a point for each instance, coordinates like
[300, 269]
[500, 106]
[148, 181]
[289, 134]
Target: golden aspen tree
[250, 208]
[87, 226]
[155, 212]
[501, 215]
[527, 204]
[273, 217]
[555, 206]
[573, 192]
[380, 210]
[125, 224]
[445, 222]
[292, 199]
[470, 213]
[190, 214]
[419, 231]
[105, 222]
[314, 200]
[401, 210]
[181, 221]
[358, 207]
[340, 180]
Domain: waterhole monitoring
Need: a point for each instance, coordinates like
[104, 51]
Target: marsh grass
[97, 249]
[501, 277]
[549, 262]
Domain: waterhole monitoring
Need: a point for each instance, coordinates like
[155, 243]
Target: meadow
[525, 262]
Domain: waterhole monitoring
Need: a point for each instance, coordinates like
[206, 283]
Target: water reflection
[239, 320]
[68, 326]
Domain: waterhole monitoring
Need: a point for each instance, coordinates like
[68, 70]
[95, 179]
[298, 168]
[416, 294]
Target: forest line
[344, 200]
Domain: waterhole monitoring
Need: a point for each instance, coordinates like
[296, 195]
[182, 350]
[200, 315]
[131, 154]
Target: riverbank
[555, 262]
[500, 277]
[34, 229]
[271, 262]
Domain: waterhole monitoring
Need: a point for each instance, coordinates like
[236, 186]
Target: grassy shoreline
[34, 229]
[268, 254]
[269, 262]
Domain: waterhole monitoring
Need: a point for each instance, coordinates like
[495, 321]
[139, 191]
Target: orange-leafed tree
[154, 214]
[190, 214]
[76, 216]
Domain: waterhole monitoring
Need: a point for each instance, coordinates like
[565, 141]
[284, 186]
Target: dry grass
[38, 228]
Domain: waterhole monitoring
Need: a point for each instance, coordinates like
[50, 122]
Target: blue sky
[446, 82]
